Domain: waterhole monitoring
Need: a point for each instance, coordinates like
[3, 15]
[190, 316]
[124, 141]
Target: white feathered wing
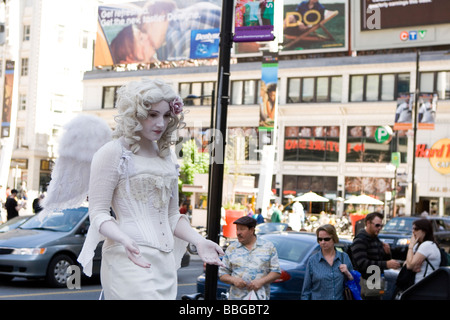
[69, 186]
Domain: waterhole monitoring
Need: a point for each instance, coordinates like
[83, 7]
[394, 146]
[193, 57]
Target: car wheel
[57, 270]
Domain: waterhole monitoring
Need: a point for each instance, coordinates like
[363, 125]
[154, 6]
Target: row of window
[306, 143]
[373, 87]
[328, 186]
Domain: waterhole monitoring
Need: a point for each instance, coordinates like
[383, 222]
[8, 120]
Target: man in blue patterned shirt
[251, 263]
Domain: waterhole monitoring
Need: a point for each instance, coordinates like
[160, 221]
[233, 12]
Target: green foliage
[193, 162]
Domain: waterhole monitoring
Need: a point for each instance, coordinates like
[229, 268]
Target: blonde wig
[134, 101]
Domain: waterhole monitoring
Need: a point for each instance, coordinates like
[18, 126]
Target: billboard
[396, 14]
[157, 30]
[383, 24]
[308, 26]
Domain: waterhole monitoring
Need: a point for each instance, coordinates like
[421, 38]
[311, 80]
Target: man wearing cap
[251, 263]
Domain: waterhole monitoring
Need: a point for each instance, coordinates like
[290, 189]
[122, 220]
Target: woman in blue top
[326, 270]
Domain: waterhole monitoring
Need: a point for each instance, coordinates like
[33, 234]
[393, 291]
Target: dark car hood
[29, 238]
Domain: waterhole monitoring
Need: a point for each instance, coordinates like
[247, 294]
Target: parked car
[397, 233]
[294, 250]
[13, 223]
[270, 227]
[45, 245]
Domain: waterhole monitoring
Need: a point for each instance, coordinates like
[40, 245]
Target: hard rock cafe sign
[438, 155]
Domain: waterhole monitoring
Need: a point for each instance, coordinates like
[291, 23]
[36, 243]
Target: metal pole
[416, 99]
[217, 153]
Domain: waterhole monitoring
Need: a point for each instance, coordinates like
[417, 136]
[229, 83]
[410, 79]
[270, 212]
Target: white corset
[143, 192]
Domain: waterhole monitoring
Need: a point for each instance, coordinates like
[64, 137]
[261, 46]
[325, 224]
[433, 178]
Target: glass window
[443, 85]
[403, 83]
[26, 33]
[427, 82]
[22, 101]
[185, 90]
[322, 89]
[109, 97]
[316, 143]
[357, 88]
[308, 90]
[24, 67]
[362, 147]
[372, 85]
[387, 87]
[293, 90]
[336, 89]
[249, 91]
[208, 88]
[236, 92]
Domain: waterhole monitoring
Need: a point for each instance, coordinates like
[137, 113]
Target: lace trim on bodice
[143, 184]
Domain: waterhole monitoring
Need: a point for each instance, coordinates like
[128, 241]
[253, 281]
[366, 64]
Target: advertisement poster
[427, 106]
[404, 111]
[254, 20]
[268, 91]
[308, 26]
[401, 13]
[7, 98]
[151, 31]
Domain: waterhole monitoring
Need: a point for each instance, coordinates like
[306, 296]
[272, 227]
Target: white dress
[143, 192]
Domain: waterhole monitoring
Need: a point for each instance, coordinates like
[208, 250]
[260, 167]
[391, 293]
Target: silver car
[45, 245]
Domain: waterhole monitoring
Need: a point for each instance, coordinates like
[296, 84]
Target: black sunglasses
[378, 225]
[323, 239]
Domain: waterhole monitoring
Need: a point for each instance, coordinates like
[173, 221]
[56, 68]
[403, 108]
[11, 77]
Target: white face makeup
[156, 122]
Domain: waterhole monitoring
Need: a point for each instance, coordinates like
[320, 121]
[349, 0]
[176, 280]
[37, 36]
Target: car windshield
[63, 221]
[270, 227]
[12, 224]
[398, 225]
[290, 249]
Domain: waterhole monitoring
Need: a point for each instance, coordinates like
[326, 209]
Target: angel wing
[69, 186]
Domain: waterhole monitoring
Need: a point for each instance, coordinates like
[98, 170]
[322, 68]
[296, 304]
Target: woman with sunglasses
[423, 253]
[326, 270]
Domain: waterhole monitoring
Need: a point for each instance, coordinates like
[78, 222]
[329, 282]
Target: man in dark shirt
[11, 205]
[367, 250]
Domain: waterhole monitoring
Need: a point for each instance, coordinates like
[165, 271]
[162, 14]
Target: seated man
[307, 14]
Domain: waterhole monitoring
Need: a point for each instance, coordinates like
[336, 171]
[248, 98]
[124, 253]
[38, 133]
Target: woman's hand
[210, 252]
[344, 270]
[134, 254]
[412, 241]
[110, 230]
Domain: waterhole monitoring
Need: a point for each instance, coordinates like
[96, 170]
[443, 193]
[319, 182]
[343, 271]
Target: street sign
[383, 134]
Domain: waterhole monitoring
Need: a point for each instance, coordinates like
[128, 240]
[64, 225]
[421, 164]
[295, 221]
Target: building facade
[329, 109]
[51, 45]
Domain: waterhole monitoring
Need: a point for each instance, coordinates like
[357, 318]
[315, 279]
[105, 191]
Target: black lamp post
[217, 152]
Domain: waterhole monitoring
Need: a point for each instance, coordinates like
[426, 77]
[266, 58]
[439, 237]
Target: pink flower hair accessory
[176, 106]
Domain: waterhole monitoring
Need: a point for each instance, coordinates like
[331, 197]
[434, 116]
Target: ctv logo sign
[413, 35]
